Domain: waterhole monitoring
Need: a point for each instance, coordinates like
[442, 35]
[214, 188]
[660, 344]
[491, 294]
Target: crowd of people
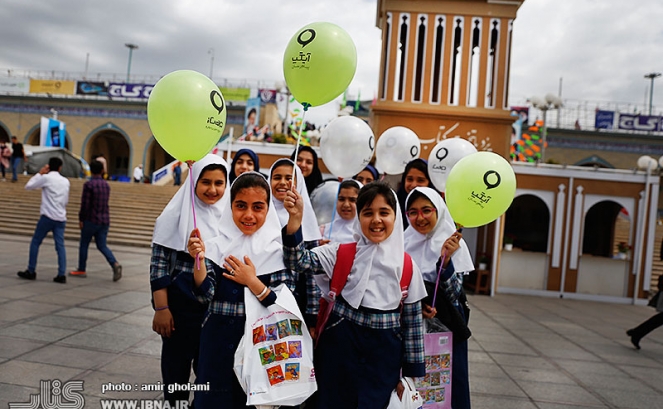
[256, 231]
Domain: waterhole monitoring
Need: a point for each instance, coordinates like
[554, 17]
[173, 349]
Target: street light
[550, 101]
[652, 76]
[211, 63]
[131, 48]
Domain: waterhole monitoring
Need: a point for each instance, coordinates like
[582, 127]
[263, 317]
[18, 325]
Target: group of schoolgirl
[258, 232]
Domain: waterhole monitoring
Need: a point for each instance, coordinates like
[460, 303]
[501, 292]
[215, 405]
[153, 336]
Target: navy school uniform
[223, 328]
[179, 353]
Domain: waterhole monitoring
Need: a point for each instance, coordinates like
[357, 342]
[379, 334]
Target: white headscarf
[374, 280]
[310, 228]
[426, 249]
[342, 230]
[174, 225]
[264, 247]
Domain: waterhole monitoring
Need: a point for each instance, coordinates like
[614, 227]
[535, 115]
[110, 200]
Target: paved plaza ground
[526, 352]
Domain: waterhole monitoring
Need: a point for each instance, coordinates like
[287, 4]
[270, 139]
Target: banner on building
[252, 117]
[52, 87]
[14, 85]
[124, 90]
[91, 88]
[604, 119]
[640, 123]
[52, 132]
[235, 94]
[267, 96]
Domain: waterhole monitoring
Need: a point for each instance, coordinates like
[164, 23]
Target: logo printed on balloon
[212, 98]
[414, 151]
[446, 153]
[482, 198]
[371, 143]
[491, 185]
[304, 43]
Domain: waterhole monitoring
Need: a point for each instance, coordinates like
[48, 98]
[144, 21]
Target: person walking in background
[53, 210]
[94, 221]
[100, 158]
[177, 173]
[138, 173]
[18, 154]
[5, 157]
[652, 323]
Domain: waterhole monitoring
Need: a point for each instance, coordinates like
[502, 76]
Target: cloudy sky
[601, 48]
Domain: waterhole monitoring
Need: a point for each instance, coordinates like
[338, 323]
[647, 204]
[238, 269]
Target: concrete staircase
[133, 210]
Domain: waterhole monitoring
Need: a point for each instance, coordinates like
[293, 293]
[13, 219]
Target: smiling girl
[372, 334]
[178, 314]
[247, 254]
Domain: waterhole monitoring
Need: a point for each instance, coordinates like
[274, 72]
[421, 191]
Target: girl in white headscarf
[306, 292]
[178, 314]
[247, 253]
[432, 239]
[340, 229]
[373, 334]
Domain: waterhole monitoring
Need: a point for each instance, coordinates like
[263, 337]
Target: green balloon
[187, 114]
[480, 188]
[319, 63]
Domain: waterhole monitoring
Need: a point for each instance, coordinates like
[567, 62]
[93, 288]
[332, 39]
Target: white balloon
[396, 147]
[645, 162]
[323, 200]
[346, 146]
[444, 156]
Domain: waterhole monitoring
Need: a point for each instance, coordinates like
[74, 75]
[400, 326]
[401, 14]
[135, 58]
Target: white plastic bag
[410, 400]
[274, 359]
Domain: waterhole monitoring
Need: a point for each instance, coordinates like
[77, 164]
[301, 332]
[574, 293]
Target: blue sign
[604, 120]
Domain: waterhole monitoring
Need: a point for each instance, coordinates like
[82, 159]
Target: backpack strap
[345, 257]
[406, 278]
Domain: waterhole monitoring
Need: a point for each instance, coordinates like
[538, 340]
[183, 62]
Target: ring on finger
[232, 272]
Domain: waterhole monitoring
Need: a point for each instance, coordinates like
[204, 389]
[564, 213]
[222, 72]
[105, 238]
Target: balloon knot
[306, 106]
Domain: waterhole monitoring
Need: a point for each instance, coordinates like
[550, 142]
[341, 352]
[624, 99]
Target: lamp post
[652, 76]
[545, 104]
[211, 63]
[131, 48]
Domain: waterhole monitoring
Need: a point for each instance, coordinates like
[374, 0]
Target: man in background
[18, 154]
[54, 198]
[138, 173]
[94, 221]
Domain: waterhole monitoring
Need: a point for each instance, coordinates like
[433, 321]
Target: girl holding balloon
[178, 314]
[373, 334]
[307, 292]
[438, 248]
[247, 253]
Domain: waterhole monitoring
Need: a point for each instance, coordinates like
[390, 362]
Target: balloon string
[306, 105]
[193, 208]
[331, 224]
[437, 280]
[439, 271]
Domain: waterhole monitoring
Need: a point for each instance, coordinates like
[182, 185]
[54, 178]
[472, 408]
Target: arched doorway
[603, 269]
[155, 157]
[114, 147]
[4, 133]
[527, 229]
